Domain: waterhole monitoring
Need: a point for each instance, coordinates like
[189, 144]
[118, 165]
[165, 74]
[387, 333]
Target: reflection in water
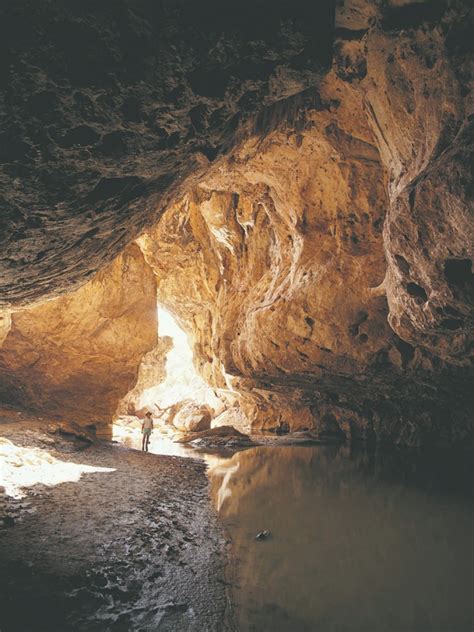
[225, 469]
[358, 543]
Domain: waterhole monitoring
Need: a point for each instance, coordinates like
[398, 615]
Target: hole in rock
[182, 380]
[407, 351]
[354, 330]
[451, 323]
[458, 272]
[416, 291]
[171, 389]
[113, 144]
[82, 136]
[127, 188]
[403, 264]
[410, 15]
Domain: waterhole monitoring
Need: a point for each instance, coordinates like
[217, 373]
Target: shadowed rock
[105, 108]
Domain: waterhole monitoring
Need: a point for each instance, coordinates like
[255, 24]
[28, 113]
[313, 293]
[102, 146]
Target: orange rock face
[419, 112]
[317, 249]
[324, 267]
[76, 356]
[275, 261]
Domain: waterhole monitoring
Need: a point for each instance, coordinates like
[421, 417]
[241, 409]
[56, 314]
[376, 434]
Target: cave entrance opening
[182, 382]
[168, 384]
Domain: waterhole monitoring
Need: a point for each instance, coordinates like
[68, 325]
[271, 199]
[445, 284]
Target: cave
[251, 222]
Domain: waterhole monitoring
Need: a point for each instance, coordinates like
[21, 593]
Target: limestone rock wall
[76, 356]
[315, 217]
[324, 267]
[283, 270]
[422, 118]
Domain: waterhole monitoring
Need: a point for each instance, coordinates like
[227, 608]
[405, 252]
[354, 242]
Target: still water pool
[359, 542]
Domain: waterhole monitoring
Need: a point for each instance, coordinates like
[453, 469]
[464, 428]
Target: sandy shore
[128, 542]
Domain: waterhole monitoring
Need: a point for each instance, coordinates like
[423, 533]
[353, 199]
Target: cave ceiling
[106, 108]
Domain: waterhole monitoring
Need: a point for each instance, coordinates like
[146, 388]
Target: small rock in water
[262, 535]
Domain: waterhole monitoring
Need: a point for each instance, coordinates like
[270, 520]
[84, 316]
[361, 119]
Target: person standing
[147, 427]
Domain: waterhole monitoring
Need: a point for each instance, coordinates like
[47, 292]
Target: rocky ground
[108, 538]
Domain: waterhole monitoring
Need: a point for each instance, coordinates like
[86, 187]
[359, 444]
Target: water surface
[378, 543]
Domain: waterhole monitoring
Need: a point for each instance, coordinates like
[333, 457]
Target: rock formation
[326, 262]
[308, 220]
[106, 107]
[193, 418]
[74, 357]
[152, 371]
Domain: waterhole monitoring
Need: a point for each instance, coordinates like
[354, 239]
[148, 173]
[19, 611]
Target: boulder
[222, 437]
[193, 418]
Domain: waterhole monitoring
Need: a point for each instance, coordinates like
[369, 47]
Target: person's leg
[147, 440]
[143, 441]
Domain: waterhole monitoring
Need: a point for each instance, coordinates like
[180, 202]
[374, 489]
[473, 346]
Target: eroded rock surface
[105, 108]
[324, 267]
[193, 418]
[315, 217]
[422, 118]
[152, 371]
[76, 356]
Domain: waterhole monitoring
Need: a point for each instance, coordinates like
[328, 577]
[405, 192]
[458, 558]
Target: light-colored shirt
[147, 423]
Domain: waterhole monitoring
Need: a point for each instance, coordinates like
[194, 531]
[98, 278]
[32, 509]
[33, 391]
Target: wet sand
[135, 548]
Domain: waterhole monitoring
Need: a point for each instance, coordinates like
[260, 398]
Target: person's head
[148, 414]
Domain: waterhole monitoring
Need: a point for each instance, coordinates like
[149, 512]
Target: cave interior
[293, 186]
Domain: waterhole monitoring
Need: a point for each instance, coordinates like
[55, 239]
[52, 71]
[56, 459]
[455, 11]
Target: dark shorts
[147, 431]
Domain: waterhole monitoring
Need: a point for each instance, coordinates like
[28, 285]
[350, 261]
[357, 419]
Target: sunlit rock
[234, 417]
[152, 371]
[193, 418]
[76, 356]
[170, 379]
[323, 268]
[307, 216]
